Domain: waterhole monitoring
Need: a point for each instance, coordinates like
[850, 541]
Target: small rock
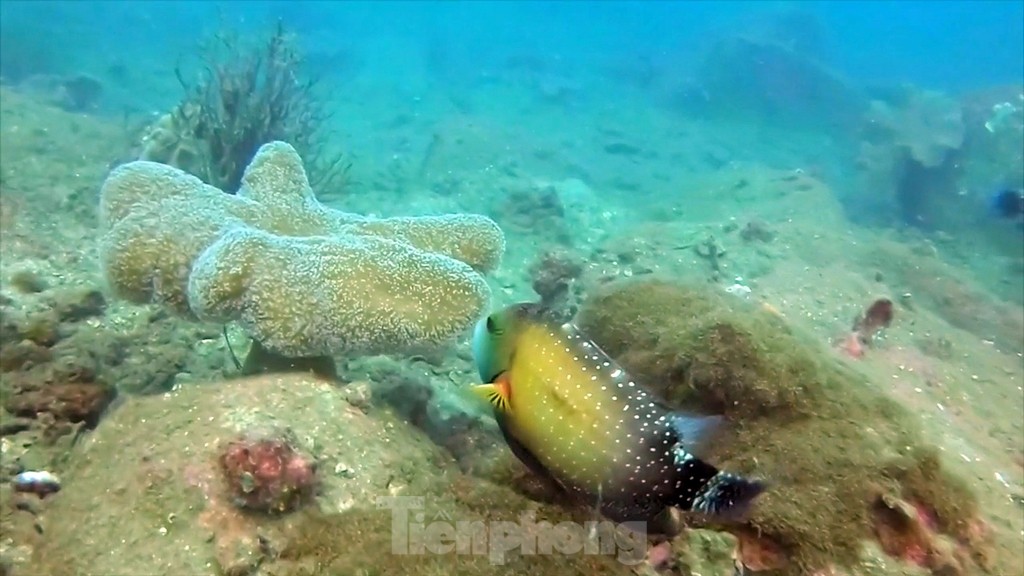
[359, 394]
[1018, 499]
[9, 331]
[39, 482]
[40, 327]
[906, 300]
[23, 355]
[28, 281]
[238, 555]
[757, 231]
[341, 469]
[74, 368]
[78, 304]
[13, 557]
[27, 503]
[12, 425]
[80, 92]
[73, 402]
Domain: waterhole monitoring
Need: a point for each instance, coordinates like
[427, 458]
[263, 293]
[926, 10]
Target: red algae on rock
[266, 473]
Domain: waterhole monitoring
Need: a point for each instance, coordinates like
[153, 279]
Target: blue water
[952, 46]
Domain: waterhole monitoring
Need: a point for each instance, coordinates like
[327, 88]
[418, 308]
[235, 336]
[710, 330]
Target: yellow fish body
[574, 416]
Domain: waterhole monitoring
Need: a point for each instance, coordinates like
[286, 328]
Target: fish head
[1007, 203]
[495, 337]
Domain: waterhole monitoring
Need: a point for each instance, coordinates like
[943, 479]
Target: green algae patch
[829, 442]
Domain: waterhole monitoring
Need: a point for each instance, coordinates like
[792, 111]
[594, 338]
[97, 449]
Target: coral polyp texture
[301, 278]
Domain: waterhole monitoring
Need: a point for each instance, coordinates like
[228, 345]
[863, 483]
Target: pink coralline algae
[267, 474]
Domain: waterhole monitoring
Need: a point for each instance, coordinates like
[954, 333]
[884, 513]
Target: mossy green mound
[830, 442]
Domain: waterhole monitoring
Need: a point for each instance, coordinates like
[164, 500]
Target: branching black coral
[245, 97]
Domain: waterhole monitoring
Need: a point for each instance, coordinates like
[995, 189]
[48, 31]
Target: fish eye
[493, 328]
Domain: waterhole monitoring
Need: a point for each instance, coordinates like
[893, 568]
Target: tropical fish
[1007, 203]
[572, 415]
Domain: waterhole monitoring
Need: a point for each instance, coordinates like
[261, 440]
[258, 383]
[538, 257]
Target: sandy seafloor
[818, 272]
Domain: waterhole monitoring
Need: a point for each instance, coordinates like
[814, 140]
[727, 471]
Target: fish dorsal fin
[695, 434]
[576, 335]
[498, 393]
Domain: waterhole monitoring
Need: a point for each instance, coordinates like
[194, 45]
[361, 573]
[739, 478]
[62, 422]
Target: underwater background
[248, 250]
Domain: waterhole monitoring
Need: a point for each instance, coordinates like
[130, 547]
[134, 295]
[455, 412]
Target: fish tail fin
[728, 496]
[703, 488]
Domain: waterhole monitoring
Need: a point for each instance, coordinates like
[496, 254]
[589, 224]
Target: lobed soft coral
[303, 279]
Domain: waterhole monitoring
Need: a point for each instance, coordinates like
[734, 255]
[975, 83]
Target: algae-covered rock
[829, 442]
[145, 494]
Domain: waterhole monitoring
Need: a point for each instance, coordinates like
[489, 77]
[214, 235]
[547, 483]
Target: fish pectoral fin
[487, 393]
[494, 394]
